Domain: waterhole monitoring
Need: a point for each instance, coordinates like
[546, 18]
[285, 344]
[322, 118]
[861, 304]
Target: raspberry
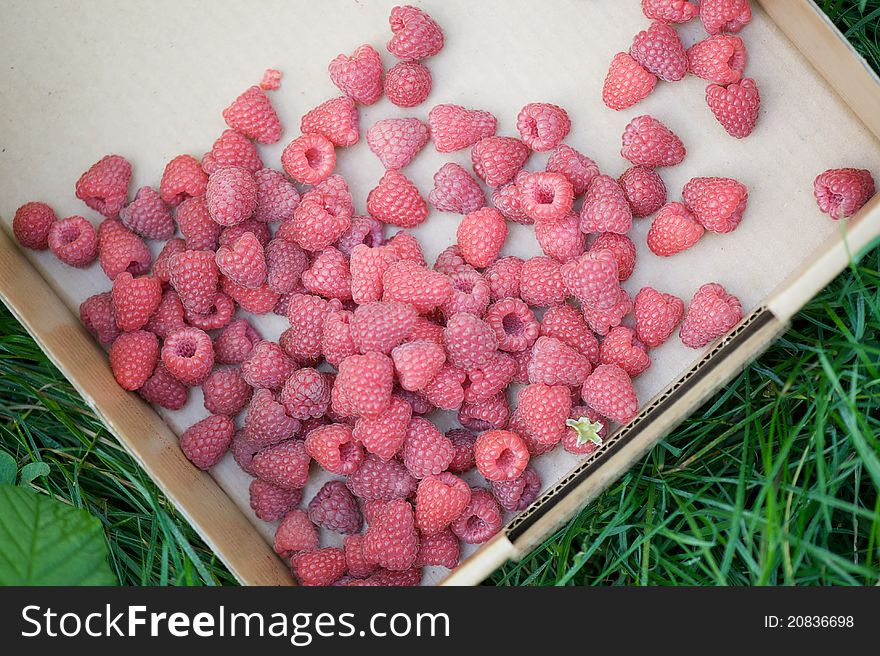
[671, 11]
[135, 300]
[120, 250]
[295, 533]
[415, 34]
[736, 106]
[315, 226]
[503, 276]
[380, 326]
[454, 127]
[623, 348]
[562, 239]
[717, 203]
[104, 187]
[231, 195]
[440, 499]
[235, 342]
[217, 317]
[169, 316]
[381, 479]
[720, 59]
[545, 196]
[194, 276]
[306, 315]
[267, 366]
[469, 341]
[543, 126]
[535, 447]
[396, 200]
[336, 343]
[336, 119]
[365, 381]
[269, 502]
[623, 249]
[226, 392]
[605, 207]
[497, 160]
[133, 358]
[358, 76]
[189, 355]
[470, 292]
[673, 230]
[364, 231]
[164, 390]
[711, 314]
[335, 509]
[73, 241]
[567, 325]
[840, 193]
[463, 458]
[96, 313]
[384, 435]
[450, 259]
[455, 190]
[644, 190]
[446, 389]
[321, 567]
[585, 431]
[309, 158]
[271, 80]
[543, 410]
[395, 141]
[243, 262]
[426, 329]
[484, 415]
[329, 275]
[285, 264]
[32, 223]
[513, 324]
[354, 556]
[333, 447]
[416, 363]
[554, 362]
[391, 540]
[285, 465]
[232, 149]
[412, 283]
[725, 15]
[506, 200]
[609, 391]
[162, 266]
[255, 301]
[252, 115]
[601, 321]
[481, 235]
[626, 83]
[306, 393]
[243, 452]
[541, 282]
[500, 455]
[519, 493]
[647, 142]
[593, 279]
[659, 50]
[205, 442]
[656, 315]
[406, 247]
[197, 226]
[408, 84]
[426, 450]
[490, 379]
[277, 198]
[440, 549]
[147, 215]
[480, 520]
[230, 234]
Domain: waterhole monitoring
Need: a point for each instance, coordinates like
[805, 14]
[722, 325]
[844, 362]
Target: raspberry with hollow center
[543, 126]
[309, 158]
[514, 324]
[500, 455]
[480, 520]
[73, 241]
[545, 196]
[188, 354]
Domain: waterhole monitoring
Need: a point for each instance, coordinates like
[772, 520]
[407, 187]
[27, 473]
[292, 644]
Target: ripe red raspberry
[543, 410]
[711, 314]
[470, 292]
[381, 479]
[450, 259]
[277, 198]
[647, 142]
[243, 262]
[194, 276]
[562, 239]
[199, 230]
[235, 342]
[415, 34]
[426, 329]
[391, 540]
[365, 383]
[147, 215]
[659, 50]
[255, 301]
[285, 264]
[162, 266]
[469, 341]
[492, 413]
[503, 276]
[541, 282]
[231, 195]
[252, 115]
[164, 390]
[104, 187]
[169, 316]
[454, 127]
[336, 343]
[442, 549]
[513, 324]
[725, 15]
[329, 275]
[545, 196]
[133, 358]
[354, 556]
[455, 190]
[605, 207]
[626, 83]
[380, 326]
[267, 366]
[609, 391]
[497, 160]
[408, 84]
[306, 393]
[446, 389]
[384, 435]
[315, 225]
[481, 236]
[189, 355]
[232, 149]
[205, 442]
[506, 200]
[306, 315]
[519, 493]
[601, 321]
[32, 223]
[333, 447]
[720, 59]
[578, 169]
[182, 178]
[717, 203]
[480, 520]
[295, 533]
[585, 431]
[243, 451]
[671, 11]
[121, 250]
[335, 509]
[230, 234]
[567, 325]
[73, 241]
[321, 567]
[593, 279]
[269, 502]
[407, 247]
[426, 450]
[396, 200]
[656, 315]
[623, 348]
[463, 460]
[412, 283]
[395, 141]
[285, 464]
[644, 190]
[364, 230]
[673, 230]
[226, 392]
[135, 300]
[217, 317]
[554, 362]
[543, 126]
[500, 455]
[358, 76]
[96, 313]
[623, 249]
[736, 106]
[490, 379]
[440, 499]
[309, 158]
[336, 119]
[840, 193]
[416, 363]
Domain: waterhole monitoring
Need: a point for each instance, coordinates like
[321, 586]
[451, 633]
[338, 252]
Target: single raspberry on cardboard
[440, 499]
[133, 358]
[670, 11]
[306, 393]
[396, 141]
[602, 321]
[840, 193]
[189, 355]
[358, 76]
[736, 106]
[148, 215]
[543, 126]
[96, 313]
[321, 567]
[593, 279]
[566, 324]
[270, 502]
[384, 436]
[577, 168]
[673, 230]
[644, 190]
[455, 190]
[416, 363]
[407, 247]
[310, 158]
[659, 50]
[121, 250]
[656, 315]
[541, 283]
[205, 442]
[392, 540]
[285, 465]
[503, 277]
[480, 520]
[469, 341]
[623, 348]
[454, 127]
[408, 84]
[306, 314]
[717, 203]
[488, 414]
[334, 448]
[720, 59]
[481, 236]
[519, 493]
[513, 324]
[31, 225]
[336, 343]
[226, 392]
[648, 142]
[543, 409]
[285, 264]
[397, 201]
[426, 450]
[496, 160]
[409, 282]
[104, 187]
[244, 261]
[545, 197]
[585, 431]
[470, 292]
[500, 455]
[135, 300]
[711, 314]
[554, 362]
[562, 239]
[199, 230]
[329, 275]
[622, 247]
[605, 207]
[232, 149]
[725, 15]
[626, 83]
[295, 533]
[609, 391]
[73, 241]
[336, 509]
[381, 479]
[253, 115]
[164, 390]
[194, 276]
[277, 197]
[336, 119]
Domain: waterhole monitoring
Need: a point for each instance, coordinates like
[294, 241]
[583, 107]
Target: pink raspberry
[329, 275]
[673, 230]
[396, 141]
[609, 391]
[267, 366]
[285, 464]
[605, 207]
[358, 76]
[454, 127]
[252, 115]
[725, 15]
[309, 158]
[519, 493]
[717, 203]
[32, 223]
[396, 200]
[492, 413]
[470, 293]
[720, 59]
[306, 315]
[656, 315]
[334, 448]
[412, 283]
[194, 276]
[162, 266]
[415, 34]
[230, 234]
[104, 187]
[384, 435]
[463, 459]
[736, 106]
[561, 239]
[671, 11]
[416, 363]
[365, 382]
[271, 80]
[407, 247]
[440, 499]
[442, 549]
[188, 355]
[711, 314]
[306, 393]
[182, 178]
[164, 390]
[502, 276]
[647, 142]
[73, 241]
[226, 392]
[567, 325]
[336, 342]
[455, 190]
[541, 282]
[426, 329]
[480, 520]
[490, 379]
[500, 455]
[367, 267]
[277, 198]
[497, 160]
[545, 196]
[840, 193]
[585, 431]
[169, 316]
[269, 502]
[481, 236]
[379, 326]
[644, 190]
[121, 250]
[244, 262]
[469, 341]
[285, 264]
[232, 149]
[543, 410]
[335, 509]
[315, 224]
[507, 200]
[543, 126]
[446, 389]
[593, 279]
[622, 247]
[217, 317]
[513, 324]
[659, 50]
[626, 82]
[364, 230]
[322, 567]
[205, 442]
[391, 541]
[231, 195]
[601, 321]
[408, 84]
[450, 259]
[426, 450]
[357, 565]
[196, 225]
[295, 533]
[381, 479]
[133, 358]
[135, 300]
[623, 348]
[255, 301]
[96, 313]
[554, 362]
[243, 452]
[577, 168]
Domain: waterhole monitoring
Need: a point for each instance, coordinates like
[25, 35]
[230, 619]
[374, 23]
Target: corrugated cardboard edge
[139, 429]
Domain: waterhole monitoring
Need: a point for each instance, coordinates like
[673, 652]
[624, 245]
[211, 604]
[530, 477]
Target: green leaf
[8, 468]
[44, 542]
[33, 470]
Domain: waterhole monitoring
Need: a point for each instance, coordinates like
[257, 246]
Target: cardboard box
[148, 82]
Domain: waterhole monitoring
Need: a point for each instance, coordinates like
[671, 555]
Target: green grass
[773, 481]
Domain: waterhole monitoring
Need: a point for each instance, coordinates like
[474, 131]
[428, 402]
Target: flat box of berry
[149, 82]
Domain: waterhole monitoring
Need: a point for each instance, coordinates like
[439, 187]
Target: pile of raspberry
[531, 355]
